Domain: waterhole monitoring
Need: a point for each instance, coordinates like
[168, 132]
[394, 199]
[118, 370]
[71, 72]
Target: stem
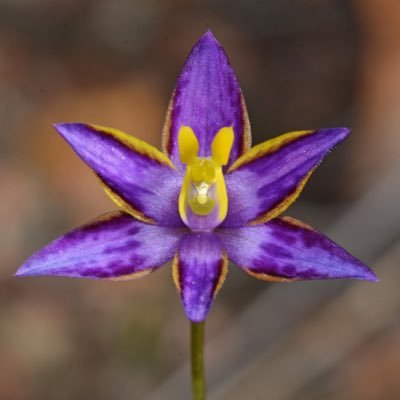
[197, 344]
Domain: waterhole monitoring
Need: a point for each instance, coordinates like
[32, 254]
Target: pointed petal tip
[64, 128]
[365, 275]
[369, 276]
[340, 132]
[343, 131]
[28, 269]
[209, 39]
[209, 35]
[23, 271]
[60, 125]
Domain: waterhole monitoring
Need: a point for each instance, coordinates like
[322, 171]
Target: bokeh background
[302, 64]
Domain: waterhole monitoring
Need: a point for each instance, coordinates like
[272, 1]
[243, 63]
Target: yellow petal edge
[138, 146]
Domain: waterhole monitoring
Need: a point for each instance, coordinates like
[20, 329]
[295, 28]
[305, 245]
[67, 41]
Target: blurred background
[302, 64]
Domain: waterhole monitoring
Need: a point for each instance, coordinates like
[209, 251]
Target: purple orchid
[207, 198]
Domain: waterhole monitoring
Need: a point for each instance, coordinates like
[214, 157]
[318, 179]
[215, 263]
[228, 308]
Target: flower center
[203, 201]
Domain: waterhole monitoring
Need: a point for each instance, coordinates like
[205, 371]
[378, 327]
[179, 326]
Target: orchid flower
[208, 197]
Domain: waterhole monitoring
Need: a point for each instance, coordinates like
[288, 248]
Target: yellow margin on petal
[141, 147]
[135, 275]
[124, 205]
[223, 267]
[296, 222]
[263, 149]
[284, 204]
[102, 218]
[269, 278]
[246, 137]
[176, 276]
[267, 147]
[223, 264]
[166, 132]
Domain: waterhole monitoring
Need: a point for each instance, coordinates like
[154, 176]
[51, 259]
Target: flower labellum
[208, 197]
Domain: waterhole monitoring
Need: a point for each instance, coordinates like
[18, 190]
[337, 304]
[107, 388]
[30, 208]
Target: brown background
[302, 64]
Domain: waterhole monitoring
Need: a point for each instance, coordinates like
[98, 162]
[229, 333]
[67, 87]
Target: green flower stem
[197, 345]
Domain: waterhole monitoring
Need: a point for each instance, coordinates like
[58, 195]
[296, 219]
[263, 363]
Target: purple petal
[137, 176]
[285, 249]
[265, 181]
[112, 246]
[207, 97]
[199, 268]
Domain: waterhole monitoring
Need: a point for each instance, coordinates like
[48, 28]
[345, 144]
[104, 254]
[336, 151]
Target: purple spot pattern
[146, 184]
[207, 97]
[283, 249]
[109, 247]
[200, 268]
[260, 185]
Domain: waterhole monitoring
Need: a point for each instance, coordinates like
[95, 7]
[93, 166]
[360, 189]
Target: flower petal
[268, 178]
[199, 270]
[138, 177]
[113, 246]
[207, 97]
[285, 249]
